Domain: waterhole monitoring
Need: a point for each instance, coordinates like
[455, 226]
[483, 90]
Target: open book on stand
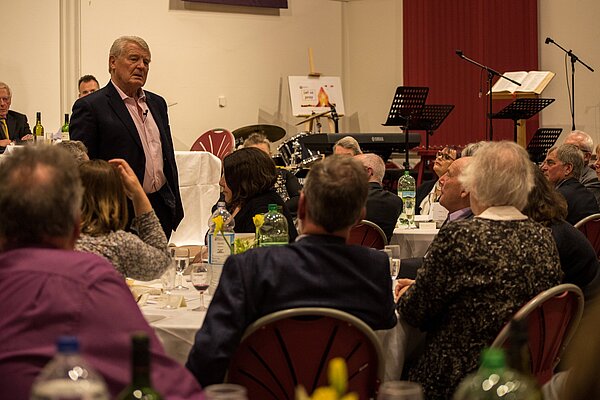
[531, 82]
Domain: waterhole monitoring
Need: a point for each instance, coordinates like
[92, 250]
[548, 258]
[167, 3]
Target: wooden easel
[310, 125]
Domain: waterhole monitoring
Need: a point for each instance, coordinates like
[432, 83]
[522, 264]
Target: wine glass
[225, 391]
[168, 284]
[200, 279]
[181, 258]
[400, 390]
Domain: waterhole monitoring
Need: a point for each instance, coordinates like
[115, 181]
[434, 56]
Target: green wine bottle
[65, 130]
[141, 385]
[38, 129]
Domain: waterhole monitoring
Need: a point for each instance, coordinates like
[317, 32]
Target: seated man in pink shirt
[48, 290]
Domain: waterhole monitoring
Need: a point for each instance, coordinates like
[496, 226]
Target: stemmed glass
[400, 390]
[181, 258]
[200, 279]
[168, 284]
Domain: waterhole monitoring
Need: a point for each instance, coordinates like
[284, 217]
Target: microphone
[459, 53]
[549, 40]
[145, 113]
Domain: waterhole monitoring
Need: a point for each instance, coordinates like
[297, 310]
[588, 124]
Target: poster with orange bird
[314, 95]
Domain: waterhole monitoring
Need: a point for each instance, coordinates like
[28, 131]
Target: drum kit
[291, 153]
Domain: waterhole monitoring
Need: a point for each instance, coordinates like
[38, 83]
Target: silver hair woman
[478, 272]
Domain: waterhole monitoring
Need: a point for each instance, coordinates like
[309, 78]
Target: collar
[459, 214]
[559, 184]
[141, 93]
[502, 213]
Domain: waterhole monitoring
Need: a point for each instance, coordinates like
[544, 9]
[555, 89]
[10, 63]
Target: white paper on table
[438, 212]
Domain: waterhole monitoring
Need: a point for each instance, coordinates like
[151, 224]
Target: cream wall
[574, 25]
[201, 52]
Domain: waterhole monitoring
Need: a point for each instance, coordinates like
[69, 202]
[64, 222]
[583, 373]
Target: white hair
[581, 140]
[5, 86]
[374, 162]
[500, 174]
[119, 44]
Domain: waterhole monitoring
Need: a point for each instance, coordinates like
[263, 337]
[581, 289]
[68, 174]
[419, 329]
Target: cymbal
[272, 132]
[313, 117]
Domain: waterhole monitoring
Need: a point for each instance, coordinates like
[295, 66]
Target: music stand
[407, 103]
[541, 142]
[522, 109]
[430, 118]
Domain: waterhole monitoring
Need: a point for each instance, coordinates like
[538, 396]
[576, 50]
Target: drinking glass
[394, 259]
[225, 391]
[181, 258]
[168, 284]
[400, 390]
[200, 277]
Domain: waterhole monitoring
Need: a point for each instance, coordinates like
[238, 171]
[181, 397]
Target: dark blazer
[259, 204]
[17, 127]
[383, 208]
[580, 201]
[315, 271]
[101, 121]
[577, 258]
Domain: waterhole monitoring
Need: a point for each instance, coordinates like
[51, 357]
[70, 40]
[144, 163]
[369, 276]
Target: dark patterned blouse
[476, 275]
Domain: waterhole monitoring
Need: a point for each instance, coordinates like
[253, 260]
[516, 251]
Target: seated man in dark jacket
[562, 167]
[383, 207]
[318, 270]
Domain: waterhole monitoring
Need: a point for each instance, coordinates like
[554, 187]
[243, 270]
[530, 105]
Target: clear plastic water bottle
[68, 376]
[220, 244]
[218, 249]
[494, 381]
[407, 190]
[274, 230]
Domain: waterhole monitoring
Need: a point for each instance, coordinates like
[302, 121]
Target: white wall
[574, 25]
[30, 62]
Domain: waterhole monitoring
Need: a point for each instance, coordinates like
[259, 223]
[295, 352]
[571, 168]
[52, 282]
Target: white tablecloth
[199, 174]
[176, 328]
[413, 242]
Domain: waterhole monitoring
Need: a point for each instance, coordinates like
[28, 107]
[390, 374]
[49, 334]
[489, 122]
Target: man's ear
[302, 206]
[568, 169]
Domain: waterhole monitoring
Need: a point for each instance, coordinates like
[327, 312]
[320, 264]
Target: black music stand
[541, 142]
[522, 109]
[407, 104]
[430, 118]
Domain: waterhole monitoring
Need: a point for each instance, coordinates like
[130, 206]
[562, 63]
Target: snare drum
[295, 154]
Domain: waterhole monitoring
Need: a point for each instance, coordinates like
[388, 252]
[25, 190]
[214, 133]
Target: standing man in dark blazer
[13, 125]
[121, 120]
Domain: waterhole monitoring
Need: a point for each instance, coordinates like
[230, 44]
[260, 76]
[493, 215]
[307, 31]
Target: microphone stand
[574, 59]
[491, 73]
[335, 117]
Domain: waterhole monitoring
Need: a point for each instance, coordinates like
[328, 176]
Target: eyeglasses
[445, 156]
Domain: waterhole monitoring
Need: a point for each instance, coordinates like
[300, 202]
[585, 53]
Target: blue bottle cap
[67, 344]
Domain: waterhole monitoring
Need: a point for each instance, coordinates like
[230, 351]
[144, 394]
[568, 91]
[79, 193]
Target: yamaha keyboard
[383, 144]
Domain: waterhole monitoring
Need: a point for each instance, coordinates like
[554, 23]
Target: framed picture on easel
[315, 94]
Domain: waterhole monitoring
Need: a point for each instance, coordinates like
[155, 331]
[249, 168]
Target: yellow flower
[259, 220]
[218, 220]
[325, 393]
[337, 374]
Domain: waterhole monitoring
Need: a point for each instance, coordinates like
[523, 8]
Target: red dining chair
[590, 227]
[217, 141]
[367, 234]
[293, 347]
[552, 318]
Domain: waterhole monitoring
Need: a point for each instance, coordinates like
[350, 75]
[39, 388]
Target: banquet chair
[217, 141]
[367, 234]
[293, 347]
[552, 318]
[590, 227]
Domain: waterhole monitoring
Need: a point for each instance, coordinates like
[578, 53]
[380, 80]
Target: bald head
[583, 141]
[374, 166]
